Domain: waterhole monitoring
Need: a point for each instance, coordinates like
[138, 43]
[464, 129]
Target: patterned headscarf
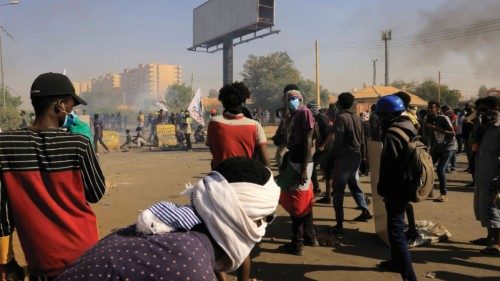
[294, 93]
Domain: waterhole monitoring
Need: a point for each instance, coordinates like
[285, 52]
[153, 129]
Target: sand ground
[138, 178]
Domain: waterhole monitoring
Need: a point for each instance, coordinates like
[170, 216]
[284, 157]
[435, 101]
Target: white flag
[196, 108]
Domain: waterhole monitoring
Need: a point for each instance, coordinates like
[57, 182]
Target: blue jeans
[345, 173]
[453, 160]
[443, 159]
[395, 228]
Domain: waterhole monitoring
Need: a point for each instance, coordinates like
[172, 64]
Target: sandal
[483, 241]
[441, 199]
[491, 250]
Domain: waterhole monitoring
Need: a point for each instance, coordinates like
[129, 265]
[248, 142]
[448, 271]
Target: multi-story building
[151, 80]
[82, 86]
[107, 83]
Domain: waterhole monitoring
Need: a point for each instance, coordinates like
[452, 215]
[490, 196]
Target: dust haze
[480, 49]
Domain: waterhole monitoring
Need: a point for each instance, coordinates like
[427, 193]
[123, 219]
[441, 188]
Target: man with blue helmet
[391, 185]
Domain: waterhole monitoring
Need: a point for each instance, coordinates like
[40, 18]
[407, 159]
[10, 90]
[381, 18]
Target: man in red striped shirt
[48, 177]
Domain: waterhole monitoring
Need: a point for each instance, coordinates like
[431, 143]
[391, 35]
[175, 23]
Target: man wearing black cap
[48, 176]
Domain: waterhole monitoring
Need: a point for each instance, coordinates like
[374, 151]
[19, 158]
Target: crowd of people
[50, 172]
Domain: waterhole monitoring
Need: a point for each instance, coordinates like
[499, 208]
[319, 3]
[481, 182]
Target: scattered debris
[428, 233]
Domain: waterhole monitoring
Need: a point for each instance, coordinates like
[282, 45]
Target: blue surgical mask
[69, 120]
[294, 104]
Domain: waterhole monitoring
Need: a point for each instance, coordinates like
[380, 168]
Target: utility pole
[1, 70]
[227, 61]
[317, 76]
[192, 78]
[386, 36]
[439, 86]
[12, 2]
[374, 72]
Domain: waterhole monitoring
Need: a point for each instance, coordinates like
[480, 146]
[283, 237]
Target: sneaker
[337, 230]
[365, 216]
[291, 248]
[311, 242]
[325, 200]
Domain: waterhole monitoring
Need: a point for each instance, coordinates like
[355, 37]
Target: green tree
[428, 90]
[482, 92]
[213, 93]
[10, 118]
[10, 100]
[405, 86]
[308, 90]
[266, 76]
[178, 97]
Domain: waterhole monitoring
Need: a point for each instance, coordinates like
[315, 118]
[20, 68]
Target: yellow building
[82, 87]
[151, 79]
[107, 83]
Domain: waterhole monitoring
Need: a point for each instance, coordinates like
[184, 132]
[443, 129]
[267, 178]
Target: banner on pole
[196, 108]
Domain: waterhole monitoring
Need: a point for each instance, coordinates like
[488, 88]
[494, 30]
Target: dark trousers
[442, 158]
[470, 155]
[302, 227]
[400, 255]
[188, 140]
[98, 141]
[317, 158]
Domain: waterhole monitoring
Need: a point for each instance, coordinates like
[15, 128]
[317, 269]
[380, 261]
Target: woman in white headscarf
[228, 214]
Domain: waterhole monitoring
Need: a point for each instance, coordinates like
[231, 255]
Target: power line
[421, 39]
[409, 38]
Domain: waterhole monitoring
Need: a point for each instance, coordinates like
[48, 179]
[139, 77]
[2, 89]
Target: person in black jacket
[391, 186]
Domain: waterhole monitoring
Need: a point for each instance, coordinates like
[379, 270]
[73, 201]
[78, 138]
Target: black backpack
[420, 172]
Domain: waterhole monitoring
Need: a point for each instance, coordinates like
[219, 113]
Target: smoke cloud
[477, 42]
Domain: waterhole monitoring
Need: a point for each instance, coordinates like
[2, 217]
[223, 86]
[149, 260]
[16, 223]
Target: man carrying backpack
[393, 185]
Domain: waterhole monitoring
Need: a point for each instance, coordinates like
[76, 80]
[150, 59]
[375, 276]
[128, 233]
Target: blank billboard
[215, 19]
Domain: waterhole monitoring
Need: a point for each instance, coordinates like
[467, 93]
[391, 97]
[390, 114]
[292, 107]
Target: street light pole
[12, 2]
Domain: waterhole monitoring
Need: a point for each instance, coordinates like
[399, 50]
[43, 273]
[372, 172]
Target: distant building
[82, 86]
[368, 96]
[106, 84]
[146, 80]
[152, 79]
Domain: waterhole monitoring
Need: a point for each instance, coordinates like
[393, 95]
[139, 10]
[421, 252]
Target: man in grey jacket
[348, 151]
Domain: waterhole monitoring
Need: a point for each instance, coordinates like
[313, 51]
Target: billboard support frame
[204, 48]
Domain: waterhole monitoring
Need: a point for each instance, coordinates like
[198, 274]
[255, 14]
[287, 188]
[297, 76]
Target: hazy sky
[94, 37]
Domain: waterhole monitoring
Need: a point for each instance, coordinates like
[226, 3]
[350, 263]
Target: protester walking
[392, 185]
[348, 151]
[98, 134]
[442, 142]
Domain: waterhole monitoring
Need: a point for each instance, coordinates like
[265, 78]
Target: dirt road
[140, 178]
